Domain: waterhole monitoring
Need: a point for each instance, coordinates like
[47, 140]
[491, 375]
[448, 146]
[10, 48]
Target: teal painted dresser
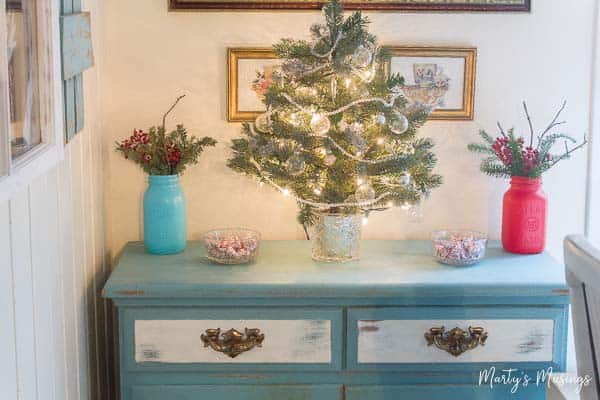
[395, 325]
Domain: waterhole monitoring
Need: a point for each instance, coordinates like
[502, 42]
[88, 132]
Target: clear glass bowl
[232, 245]
[458, 247]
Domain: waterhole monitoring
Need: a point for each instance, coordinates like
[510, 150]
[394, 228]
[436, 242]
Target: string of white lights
[346, 152]
[287, 192]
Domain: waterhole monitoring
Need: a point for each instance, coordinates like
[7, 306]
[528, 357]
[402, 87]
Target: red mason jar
[524, 216]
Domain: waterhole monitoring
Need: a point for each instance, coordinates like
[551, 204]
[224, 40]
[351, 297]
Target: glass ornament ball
[296, 164]
[362, 57]
[267, 150]
[320, 124]
[364, 193]
[263, 122]
[404, 179]
[399, 124]
[380, 119]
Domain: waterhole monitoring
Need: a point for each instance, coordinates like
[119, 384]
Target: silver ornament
[362, 57]
[266, 150]
[333, 88]
[399, 124]
[296, 164]
[380, 119]
[404, 179]
[364, 193]
[263, 122]
[320, 124]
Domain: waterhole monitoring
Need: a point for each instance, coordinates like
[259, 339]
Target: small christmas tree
[339, 135]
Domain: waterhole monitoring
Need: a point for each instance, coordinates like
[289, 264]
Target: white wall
[542, 57]
[593, 200]
[53, 340]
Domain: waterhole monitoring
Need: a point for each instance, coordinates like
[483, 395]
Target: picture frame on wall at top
[440, 76]
[444, 76]
[389, 5]
[15, 5]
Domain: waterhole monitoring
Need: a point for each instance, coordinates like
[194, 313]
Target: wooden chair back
[583, 276]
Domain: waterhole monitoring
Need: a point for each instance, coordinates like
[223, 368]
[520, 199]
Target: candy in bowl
[232, 245]
[458, 247]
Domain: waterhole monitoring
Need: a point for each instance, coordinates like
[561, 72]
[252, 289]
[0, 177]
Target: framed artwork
[441, 76]
[405, 5]
[249, 70]
[14, 5]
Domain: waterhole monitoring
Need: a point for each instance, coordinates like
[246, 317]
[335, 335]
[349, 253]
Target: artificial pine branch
[509, 157]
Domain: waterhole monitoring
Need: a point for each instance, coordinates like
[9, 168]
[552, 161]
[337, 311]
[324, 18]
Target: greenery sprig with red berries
[160, 153]
[509, 155]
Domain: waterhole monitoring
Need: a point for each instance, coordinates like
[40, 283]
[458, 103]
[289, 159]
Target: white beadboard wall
[54, 341]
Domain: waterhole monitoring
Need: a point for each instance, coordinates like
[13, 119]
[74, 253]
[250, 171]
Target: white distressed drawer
[396, 336]
[293, 338]
[286, 341]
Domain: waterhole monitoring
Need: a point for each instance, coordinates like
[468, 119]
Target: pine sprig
[508, 155]
[159, 152]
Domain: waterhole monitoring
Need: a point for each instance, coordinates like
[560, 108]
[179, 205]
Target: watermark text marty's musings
[517, 379]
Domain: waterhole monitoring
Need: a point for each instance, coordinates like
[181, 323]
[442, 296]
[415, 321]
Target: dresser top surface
[284, 269]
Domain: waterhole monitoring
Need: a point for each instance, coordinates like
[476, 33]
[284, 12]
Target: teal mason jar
[164, 215]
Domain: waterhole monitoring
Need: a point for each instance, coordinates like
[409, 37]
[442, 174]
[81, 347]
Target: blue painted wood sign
[394, 325]
[77, 56]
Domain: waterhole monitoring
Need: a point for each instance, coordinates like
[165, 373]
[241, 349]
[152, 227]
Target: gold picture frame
[463, 109]
[236, 55]
[240, 103]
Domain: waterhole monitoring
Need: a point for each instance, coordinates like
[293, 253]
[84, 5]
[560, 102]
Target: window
[30, 91]
[22, 79]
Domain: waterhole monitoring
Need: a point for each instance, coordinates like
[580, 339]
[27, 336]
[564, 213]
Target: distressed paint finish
[399, 271]
[286, 341]
[444, 392]
[248, 392]
[76, 44]
[390, 298]
[320, 336]
[394, 337]
[77, 56]
[402, 341]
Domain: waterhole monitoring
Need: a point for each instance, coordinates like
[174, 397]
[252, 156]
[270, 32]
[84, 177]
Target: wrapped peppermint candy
[459, 247]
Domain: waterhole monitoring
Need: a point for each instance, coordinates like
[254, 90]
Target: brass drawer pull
[456, 341]
[233, 342]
